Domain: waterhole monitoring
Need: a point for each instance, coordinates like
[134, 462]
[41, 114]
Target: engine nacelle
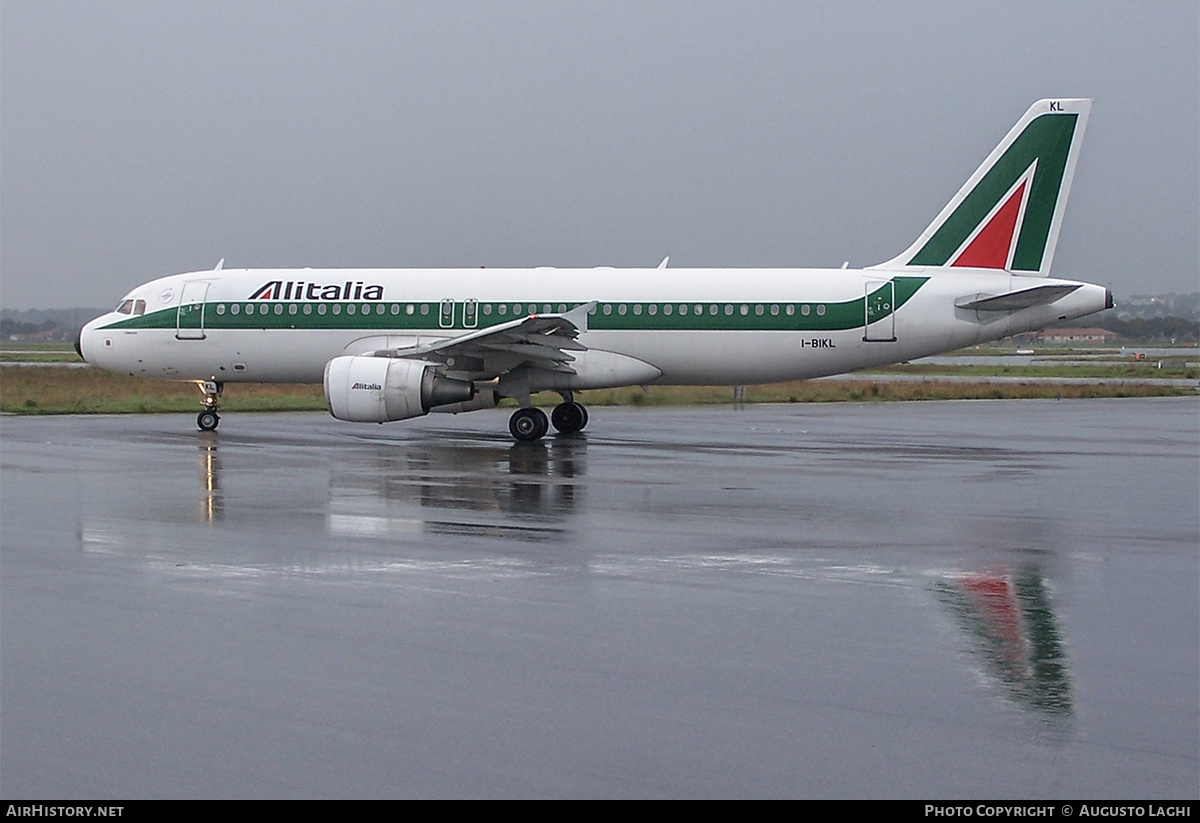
[365, 389]
[485, 398]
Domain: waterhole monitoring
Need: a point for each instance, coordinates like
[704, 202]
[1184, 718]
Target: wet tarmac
[990, 599]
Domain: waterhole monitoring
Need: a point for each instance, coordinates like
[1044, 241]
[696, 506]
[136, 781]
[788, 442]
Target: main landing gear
[569, 417]
[530, 424]
[208, 419]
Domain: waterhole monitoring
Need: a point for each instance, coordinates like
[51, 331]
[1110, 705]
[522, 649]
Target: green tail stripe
[1048, 141]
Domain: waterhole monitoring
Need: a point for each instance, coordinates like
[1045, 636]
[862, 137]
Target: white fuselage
[694, 326]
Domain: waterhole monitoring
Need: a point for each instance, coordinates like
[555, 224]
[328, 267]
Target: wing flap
[538, 341]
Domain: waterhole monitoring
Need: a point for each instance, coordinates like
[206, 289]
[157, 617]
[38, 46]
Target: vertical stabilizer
[1008, 214]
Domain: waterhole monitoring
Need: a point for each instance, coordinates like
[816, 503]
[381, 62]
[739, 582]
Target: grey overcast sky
[139, 139]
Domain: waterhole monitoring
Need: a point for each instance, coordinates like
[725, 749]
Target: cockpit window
[135, 307]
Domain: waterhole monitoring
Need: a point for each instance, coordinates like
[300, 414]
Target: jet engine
[366, 389]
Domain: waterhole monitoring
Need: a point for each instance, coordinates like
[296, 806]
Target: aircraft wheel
[569, 417]
[528, 424]
[207, 421]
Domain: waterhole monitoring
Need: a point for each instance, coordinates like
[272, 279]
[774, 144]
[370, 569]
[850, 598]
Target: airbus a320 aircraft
[391, 344]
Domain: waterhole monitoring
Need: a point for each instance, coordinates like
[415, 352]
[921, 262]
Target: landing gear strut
[208, 419]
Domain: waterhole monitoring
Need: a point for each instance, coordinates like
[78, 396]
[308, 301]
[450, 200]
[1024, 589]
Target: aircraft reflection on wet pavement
[529, 491]
[524, 490]
[212, 501]
[383, 491]
[989, 597]
[1015, 634]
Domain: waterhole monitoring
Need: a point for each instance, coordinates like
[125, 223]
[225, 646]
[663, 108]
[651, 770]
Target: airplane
[394, 344]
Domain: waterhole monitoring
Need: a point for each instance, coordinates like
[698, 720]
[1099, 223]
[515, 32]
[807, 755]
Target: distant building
[36, 337]
[1075, 336]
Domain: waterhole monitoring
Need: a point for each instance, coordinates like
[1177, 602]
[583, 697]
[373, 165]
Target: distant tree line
[1143, 329]
[62, 323]
[1161, 305]
[9, 327]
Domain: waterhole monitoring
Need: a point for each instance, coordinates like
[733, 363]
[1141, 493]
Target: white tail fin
[1008, 214]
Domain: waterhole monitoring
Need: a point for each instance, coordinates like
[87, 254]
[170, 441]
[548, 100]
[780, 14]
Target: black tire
[207, 421]
[569, 418]
[528, 425]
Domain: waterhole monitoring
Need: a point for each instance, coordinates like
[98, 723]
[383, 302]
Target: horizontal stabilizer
[1016, 300]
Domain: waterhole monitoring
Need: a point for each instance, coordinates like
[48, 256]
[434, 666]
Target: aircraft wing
[538, 341]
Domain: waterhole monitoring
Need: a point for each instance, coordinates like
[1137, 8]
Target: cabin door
[879, 319]
[189, 323]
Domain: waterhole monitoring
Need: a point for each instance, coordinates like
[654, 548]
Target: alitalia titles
[303, 290]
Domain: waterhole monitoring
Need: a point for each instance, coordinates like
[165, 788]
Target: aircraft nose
[79, 343]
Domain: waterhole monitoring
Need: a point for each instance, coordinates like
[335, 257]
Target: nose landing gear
[208, 419]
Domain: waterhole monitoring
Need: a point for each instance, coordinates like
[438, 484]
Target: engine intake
[365, 389]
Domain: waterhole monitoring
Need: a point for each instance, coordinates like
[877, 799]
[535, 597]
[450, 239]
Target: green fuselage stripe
[400, 316]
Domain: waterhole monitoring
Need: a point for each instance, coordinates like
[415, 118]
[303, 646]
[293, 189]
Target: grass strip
[49, 390]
